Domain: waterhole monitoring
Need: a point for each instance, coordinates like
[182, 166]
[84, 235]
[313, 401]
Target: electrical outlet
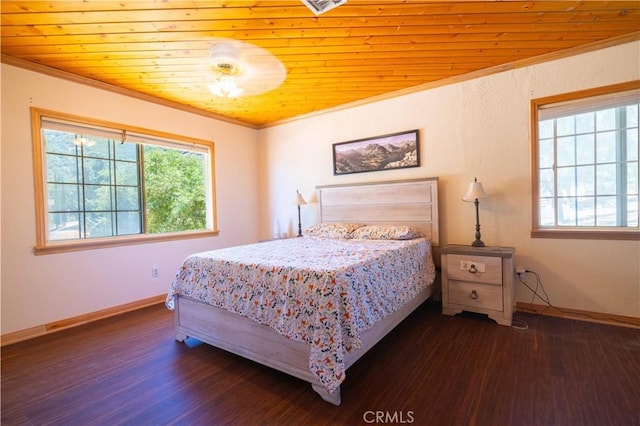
[155, 272]
[465, 265]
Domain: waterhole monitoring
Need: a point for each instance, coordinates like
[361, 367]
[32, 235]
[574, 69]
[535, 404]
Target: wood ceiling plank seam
[426, 50]
[88, 44]
[392, 38]
[205, 37]
[336, 55]
[130, 25]
[295, 9]
[296, 61]
[234, 8]
[121, 66]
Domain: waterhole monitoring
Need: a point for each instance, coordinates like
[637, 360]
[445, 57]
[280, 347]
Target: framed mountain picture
[393, 151]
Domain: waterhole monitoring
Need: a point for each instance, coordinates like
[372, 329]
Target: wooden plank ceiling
[355, 53]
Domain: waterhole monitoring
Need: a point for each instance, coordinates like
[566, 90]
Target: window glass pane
[546, 184]
[129, 223]
[566, 151]
[96, 171]
[175, 190]
[99, 224]
[126, 173]
[62, 168]
[97, 148]
[128, 198]
[606, 119]
[586, 180]
[126, 151]
[63, 198]
[606, 147]
[64, 226]
[566, 125]
[98, 198]
[546, 153]
[547, 213]
[59, 142]
[566, 181]
[545, 129]
[606, 211]
[632, 116]
[586, 211]
[606, 179]
[585, 149]
[585, 123]
[567, 211]
[632, 178]
[632, 211]
[632, 144]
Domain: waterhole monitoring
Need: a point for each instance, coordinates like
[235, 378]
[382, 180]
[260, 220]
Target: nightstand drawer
[492, 269]
[475, 295]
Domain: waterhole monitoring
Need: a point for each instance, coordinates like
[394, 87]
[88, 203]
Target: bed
[312, 306]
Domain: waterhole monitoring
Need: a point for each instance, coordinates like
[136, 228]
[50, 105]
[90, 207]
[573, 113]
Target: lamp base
[477, 243]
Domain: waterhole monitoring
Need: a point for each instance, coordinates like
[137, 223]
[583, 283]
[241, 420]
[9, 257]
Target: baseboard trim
[577, 314]
[52, 327]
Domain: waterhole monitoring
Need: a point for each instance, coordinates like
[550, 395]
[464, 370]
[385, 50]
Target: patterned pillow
[385, 232]
[332, 230]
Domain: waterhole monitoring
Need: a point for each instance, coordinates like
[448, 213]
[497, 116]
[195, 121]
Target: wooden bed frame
[413, 202]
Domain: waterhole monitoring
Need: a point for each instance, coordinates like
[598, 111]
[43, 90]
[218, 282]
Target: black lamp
[300, 201]
[475, 192]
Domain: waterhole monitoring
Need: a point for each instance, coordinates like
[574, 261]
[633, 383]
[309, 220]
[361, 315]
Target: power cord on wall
[519, 323]
[521, 272]
[534, 292]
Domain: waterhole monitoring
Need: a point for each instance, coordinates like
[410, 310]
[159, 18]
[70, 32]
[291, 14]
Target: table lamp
[300, 201]
[475, 192]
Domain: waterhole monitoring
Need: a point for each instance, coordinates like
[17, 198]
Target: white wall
[475, 128]
[41, 289]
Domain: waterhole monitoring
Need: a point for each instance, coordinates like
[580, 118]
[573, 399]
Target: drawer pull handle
[473, 295]
[473, 269]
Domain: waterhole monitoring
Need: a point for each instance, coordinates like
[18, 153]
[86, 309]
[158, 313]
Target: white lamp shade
[475, 191]
[300, 200]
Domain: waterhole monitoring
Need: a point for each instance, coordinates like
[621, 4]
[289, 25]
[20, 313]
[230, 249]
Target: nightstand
[478, 279]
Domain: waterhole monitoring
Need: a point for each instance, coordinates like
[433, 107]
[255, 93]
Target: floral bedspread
[322, 291]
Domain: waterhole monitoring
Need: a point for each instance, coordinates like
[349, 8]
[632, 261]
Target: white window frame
[140, 135]
[572, 104]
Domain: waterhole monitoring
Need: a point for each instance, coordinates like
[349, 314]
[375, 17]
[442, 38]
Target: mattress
[321, 291]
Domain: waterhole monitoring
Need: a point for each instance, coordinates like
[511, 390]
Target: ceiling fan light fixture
[320, 6]
[225, 86]
[226, 62]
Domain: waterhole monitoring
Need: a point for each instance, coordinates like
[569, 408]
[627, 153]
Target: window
[101, 184]
[585, 164]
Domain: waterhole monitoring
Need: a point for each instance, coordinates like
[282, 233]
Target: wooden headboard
[411, 202]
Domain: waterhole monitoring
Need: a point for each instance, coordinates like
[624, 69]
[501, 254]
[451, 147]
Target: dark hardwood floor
[431, 370]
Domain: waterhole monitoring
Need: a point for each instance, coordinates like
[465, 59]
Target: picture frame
[387, 152]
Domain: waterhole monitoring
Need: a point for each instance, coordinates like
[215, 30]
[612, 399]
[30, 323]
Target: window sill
[92, 244]
[587, 234]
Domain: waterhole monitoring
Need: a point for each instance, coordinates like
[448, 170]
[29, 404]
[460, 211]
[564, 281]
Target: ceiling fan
[243, 69]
